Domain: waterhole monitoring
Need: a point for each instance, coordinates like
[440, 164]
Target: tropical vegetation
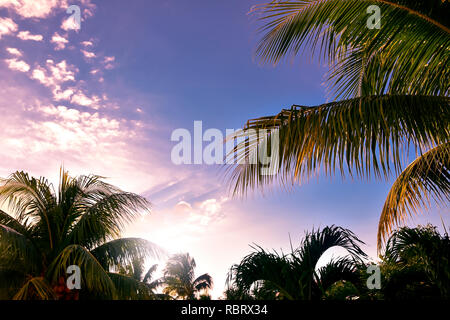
[180, 281]
[414, 265]
[46, 230]
[297, 276]
[390, 91]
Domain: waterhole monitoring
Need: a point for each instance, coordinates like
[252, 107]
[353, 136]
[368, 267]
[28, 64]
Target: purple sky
[105, 99]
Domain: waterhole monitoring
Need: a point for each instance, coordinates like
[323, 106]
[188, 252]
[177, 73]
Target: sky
[106, 97]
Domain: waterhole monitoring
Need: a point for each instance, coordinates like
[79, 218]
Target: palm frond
[269, 267]
[129, 288]
[125, 251]
[335, 28]
[25, 194]
[426, 179]
[149, 274]
[203, 282]
[361, 136]
[94, 277]
[343, 269]
[36, 289]
[293, 275]
[421, 249]
[17, 249]
[181, 266]
[9, 221]
[318, 241]
[106, 216]
[29, 197]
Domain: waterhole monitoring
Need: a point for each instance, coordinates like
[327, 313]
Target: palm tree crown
[179, 278]
[296, 276]
[78, 224]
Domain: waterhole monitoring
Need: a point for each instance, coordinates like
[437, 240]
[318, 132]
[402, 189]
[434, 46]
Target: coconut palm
[296, 276]
[179, 278]
[47, 230]
[393, 86]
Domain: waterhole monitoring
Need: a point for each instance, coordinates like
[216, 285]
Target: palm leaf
[36, 288]
[318, 241]
[105, 217]
[203, 282]
[337, 29]
[421, 249]
[30, 197]
[363, 136]
[130, 288]
[16, 248]
[425, 179]
[124, 251]
[343, 269]
[11, 222]
[94, 277]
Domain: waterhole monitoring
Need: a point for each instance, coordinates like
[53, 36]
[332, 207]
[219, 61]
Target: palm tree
[79, 224]
[296, 276]
[145, 285]
[416, 264]
[179, 278]
[393, 83]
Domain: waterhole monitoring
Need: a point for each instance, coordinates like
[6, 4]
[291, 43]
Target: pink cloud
[26, 35]
[59, 94]
[14, 51]
[59, 41]
[88, 55]
[54, 74]
[109, 62]
[109, 59]
[7, 26]
[87, 43]
[34, 128]
[17, 65]
[69, 24]
[33, 8]
[83, 100]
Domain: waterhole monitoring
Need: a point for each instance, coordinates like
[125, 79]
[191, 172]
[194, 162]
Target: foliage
[296, 276]
[394, 85]
[78, 224]
[416, 264]
[179, 278]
